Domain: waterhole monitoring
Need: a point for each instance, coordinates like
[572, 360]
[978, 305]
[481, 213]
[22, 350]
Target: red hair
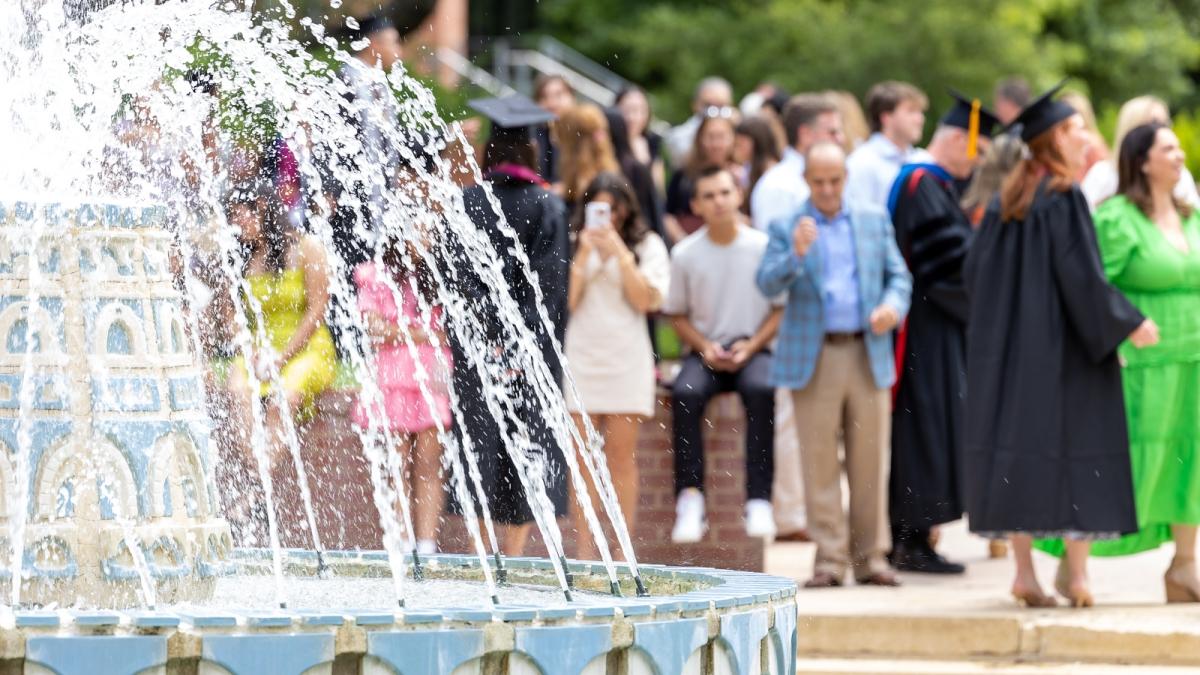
[1045, 159]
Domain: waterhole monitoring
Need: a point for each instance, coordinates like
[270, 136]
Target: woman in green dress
[1150, 245]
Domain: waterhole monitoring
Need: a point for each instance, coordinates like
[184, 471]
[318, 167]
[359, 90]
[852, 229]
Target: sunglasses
[723, 111]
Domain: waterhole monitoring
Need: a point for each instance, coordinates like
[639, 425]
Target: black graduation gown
[934, 235]
[1047, 451]
[539, 219]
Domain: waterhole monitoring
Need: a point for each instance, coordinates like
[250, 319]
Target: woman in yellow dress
[292, 352]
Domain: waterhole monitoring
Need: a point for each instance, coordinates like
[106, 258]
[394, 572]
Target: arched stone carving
[177, 486]
[119, 314]
[96, 479]
[15, 328]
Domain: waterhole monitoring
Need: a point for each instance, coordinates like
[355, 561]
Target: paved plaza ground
[970, 624]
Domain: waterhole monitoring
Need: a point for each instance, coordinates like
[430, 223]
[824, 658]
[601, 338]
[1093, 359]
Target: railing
[472, 73]
[581, 64]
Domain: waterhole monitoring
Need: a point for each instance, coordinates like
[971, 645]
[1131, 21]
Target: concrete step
[1167, 637]
[921, 667]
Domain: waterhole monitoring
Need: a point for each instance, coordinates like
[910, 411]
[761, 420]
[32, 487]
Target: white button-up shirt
[780, 191]
[873, 167]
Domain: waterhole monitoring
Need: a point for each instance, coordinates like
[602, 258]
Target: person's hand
[804, 235]
[377, 328]
[471, 128]
[418, 335]
[1146, 335]
[740, 352]
[607, 242]
[267, 365]
[883, 318]
[715, 356]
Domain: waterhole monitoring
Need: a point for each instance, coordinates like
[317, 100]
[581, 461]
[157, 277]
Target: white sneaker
[690, 524]
[426, 547]
[760, 519]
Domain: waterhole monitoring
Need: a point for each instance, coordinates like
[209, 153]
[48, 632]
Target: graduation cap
[514, 113]
[1042, 114]
[359, 29]
[969, 114]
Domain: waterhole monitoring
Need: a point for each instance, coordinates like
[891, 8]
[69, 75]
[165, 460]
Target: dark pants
[694, 388]
[904, 535]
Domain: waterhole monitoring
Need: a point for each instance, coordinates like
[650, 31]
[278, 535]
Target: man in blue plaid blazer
[847, 289]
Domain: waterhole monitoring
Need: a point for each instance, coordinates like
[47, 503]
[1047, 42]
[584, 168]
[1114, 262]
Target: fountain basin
[696, 620]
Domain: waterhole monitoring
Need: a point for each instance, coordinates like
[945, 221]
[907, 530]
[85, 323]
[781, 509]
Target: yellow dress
[283, 300]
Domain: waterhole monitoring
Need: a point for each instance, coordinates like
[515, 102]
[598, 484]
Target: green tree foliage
[1114, 48]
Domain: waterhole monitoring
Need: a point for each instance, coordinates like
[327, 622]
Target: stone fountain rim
[721, 590]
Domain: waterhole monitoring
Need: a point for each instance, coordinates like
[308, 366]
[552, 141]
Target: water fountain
[106, 454]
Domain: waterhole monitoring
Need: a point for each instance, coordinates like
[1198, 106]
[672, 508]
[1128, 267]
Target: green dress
[284, 303]
[1162, 383]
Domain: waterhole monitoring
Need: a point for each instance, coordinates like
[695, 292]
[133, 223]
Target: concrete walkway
[972, 619]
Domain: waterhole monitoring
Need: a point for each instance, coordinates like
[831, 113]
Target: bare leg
[585, 545]
[1025, 587]
[620, 443]
[1078, 591]
[404, 456]
[620, 450]
[429, 494]
[239, 492]
[513, 538]
[1182, 584]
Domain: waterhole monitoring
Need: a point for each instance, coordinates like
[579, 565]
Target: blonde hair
[854, 120]
[995, 165]
[1083, 106]
[1136, 112]
[582, 136]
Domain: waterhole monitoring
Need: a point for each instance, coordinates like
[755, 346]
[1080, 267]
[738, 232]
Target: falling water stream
[79, 82]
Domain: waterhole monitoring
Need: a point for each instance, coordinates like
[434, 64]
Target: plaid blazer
[883, 277]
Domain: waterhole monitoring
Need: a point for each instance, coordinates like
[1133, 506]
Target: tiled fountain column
[99, 389]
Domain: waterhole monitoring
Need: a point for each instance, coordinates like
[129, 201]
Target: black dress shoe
[924, 560]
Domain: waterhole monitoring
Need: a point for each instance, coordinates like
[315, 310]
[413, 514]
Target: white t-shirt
[714, 287]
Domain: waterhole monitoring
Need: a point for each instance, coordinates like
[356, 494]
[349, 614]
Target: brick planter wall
[347, 518]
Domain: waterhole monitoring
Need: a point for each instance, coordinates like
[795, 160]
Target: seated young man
[728, 326]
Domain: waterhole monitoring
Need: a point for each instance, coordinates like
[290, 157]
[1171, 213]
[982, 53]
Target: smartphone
[597, 214]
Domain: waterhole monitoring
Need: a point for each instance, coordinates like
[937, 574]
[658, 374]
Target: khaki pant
[787, 494]
[842, 398]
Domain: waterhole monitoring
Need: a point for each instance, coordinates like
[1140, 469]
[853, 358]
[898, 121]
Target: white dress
[608, 348]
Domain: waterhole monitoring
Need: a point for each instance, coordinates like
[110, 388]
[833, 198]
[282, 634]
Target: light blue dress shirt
[839, 272]
[872, 168]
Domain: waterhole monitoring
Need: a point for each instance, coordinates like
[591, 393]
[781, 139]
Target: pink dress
[404, 406]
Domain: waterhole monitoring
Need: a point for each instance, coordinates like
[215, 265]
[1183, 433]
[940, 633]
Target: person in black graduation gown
[1046, 452]
[539, 219]
[934, 234]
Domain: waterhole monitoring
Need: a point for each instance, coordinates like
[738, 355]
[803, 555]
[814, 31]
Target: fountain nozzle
[641, 588]
[501, 572]
[418, 573]
[570, 578]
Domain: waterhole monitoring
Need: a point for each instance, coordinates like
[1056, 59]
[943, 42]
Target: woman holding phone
[619, 274]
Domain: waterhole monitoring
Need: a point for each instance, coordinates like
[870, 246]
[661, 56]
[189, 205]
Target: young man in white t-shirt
[728, 325]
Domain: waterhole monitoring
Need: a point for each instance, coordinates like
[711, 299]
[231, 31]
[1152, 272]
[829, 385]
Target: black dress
[539, 220]
[1047, 451]
[934, 235]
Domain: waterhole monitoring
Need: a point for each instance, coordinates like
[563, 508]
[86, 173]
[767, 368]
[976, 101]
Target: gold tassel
[973, 130]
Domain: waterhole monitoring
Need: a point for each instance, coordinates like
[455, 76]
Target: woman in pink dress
[413, 418]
